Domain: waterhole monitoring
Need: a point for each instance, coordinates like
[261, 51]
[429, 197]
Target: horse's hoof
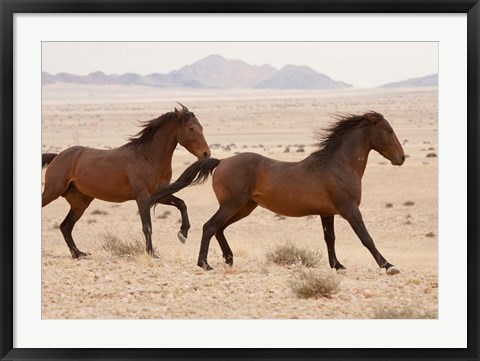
[392, 271]
[342, 271]
[182, 237]
[205, 266]
[229, 260]
[80, 254]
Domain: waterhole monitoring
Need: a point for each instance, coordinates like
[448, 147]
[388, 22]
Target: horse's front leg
[182, 207]
[144, 210]
[354, 217]
[329, 235]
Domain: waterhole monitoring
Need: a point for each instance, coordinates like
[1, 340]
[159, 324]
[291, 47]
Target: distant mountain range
[299, 77]
[429, 80]
[214, 71]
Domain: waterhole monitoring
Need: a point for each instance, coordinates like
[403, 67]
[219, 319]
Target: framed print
[291, 115]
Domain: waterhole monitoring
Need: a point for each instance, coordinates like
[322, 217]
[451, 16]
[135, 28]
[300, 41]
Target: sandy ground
[399, 206]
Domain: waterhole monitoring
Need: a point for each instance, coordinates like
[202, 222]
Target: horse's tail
[197, 173]
[47, 158]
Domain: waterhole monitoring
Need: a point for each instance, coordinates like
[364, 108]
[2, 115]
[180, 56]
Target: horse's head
[190, 133]
[384, 140]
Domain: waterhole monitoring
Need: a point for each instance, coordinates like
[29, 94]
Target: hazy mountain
[429, 80]
[130, 78]
[96, 78]
[213, 71]
[300, 77]
[216, 71]
[47, 78]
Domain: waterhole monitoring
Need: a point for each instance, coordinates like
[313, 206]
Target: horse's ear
[373, 117]
[178, 114]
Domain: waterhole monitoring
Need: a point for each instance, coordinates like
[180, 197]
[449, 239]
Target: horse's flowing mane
[330, 139]
[150, 127]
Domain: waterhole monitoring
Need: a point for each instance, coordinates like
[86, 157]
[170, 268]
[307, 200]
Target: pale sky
[362, 64]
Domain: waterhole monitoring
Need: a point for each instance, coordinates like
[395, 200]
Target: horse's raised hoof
[392, 270]
[182, 237]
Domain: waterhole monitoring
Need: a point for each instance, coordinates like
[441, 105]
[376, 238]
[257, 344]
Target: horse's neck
[354, 152]
[161, 148]
[351, 156]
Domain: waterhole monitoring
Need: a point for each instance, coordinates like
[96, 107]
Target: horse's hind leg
[182, 207]
[220, 236]
[53, 189]
[354, 217]
[329, 235]
[213, 225]
[79, 202]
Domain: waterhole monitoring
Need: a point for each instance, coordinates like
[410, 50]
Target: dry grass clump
[315, 284]
[289, 254]
[404, 313]
[99, 212]
[121, 248]
[164, 215]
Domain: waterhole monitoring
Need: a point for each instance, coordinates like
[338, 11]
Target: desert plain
[399, 207]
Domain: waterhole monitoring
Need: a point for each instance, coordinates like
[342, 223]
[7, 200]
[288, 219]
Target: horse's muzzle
[204, 155]
[398, 160]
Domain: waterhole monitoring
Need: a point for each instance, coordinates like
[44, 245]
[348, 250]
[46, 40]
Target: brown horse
[131, 172]
[326, 183]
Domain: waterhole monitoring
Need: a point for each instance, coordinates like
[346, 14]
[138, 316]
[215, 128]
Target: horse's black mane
[151, 127]
[330, 139]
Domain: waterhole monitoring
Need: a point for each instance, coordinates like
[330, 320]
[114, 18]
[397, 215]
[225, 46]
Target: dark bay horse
[326, 183]
[131, 172]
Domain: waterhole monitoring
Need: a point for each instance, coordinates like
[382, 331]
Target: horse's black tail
[47, 158]
[197, 173]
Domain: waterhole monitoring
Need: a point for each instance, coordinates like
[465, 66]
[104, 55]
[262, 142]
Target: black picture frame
[10, 7]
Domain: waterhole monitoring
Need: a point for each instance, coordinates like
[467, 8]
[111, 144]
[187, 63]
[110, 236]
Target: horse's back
[98, 173]
[287, 188]
[64, 161]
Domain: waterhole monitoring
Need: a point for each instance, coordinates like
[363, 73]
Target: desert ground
[399, 207]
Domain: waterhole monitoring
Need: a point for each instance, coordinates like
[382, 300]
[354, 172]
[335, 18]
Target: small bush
[315, 284]
[121, 248]
[164, 215]
[289, 254]
[404, 313]
[99, 212]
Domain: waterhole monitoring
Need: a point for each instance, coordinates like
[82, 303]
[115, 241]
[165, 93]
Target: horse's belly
[112, 195]
[294, 206]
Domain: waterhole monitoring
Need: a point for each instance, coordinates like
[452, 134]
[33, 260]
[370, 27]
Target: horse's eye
[191, 129]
